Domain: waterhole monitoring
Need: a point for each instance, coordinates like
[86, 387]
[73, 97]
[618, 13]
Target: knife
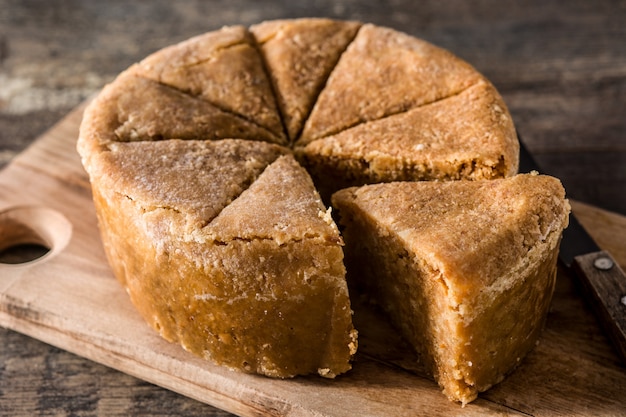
[601, 279]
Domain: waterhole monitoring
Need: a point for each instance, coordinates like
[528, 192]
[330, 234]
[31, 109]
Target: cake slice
[138, 109]
[464, 269]
[223, 67]
[278, 290]
[469, 135]
[300, 54]
[384, 72]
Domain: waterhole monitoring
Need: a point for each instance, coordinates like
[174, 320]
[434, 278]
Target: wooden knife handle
[604, 283]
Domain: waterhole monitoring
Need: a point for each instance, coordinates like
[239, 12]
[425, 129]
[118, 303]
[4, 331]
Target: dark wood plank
[38, 379]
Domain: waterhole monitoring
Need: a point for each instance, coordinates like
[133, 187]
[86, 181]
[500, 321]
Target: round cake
[212, 163]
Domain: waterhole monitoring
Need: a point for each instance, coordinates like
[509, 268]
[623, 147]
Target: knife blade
[601, 279]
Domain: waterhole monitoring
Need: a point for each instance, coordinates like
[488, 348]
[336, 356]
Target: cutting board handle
[34, 225]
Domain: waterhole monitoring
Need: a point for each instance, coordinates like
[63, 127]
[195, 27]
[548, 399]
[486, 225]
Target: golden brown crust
[223, 67]
[282, 205]
[190, 181]
[469, 135]
[529, 207]
[134, 108]
[456, 265]
[300, 54]
[384, 72]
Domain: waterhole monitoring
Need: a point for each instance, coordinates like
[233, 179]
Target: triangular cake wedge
[223, 67]
[384, 72]
[133, 108]
[469, 135]
[464, 269]
[278, 290]
[300, 54]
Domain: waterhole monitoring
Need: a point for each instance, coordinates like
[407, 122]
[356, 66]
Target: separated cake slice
[384, 72]
[223, 67]
[464, 269]
[300, 54]
[469, 135]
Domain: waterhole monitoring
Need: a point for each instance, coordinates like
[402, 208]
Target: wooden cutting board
[70, 299]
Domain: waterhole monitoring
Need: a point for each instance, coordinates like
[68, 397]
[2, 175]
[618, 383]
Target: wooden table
[561, 68]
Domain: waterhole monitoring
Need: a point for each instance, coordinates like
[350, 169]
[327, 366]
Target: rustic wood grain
[561, 67]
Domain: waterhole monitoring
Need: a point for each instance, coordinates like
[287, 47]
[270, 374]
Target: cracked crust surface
[135, 108]
[177, 176]
[282, 205]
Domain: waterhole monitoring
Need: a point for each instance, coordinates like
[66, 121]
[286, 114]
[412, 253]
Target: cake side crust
[253, 305]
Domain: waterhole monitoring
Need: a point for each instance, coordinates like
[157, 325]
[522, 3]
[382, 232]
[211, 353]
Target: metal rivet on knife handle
[603, 263]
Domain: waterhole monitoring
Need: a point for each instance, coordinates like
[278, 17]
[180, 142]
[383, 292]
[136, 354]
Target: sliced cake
[384, 72]
[223, 67]
[188, 228]
[198, 159]
[134, 108]
[279, 249]
[464, 269]
[300, 54]
[469, 135]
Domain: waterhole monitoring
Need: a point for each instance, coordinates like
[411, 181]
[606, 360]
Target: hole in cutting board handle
[22, 253]
[31, 234]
